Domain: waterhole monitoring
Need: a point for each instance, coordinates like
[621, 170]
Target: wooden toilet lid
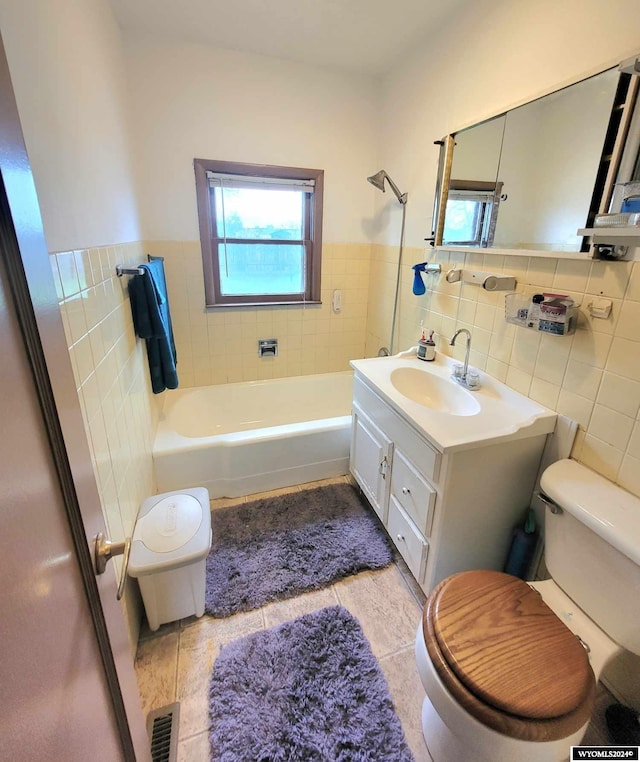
[508, 648]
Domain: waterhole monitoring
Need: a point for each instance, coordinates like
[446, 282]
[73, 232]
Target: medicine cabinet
[534, 178]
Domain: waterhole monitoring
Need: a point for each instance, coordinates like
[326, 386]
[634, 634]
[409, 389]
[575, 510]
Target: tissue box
[557, 314]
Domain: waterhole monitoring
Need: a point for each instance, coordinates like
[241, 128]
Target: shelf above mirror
[536, 253]
[632, 256]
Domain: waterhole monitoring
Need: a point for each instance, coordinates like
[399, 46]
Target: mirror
[528, 179]
[473, 196]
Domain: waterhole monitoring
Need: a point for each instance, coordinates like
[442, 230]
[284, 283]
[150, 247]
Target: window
[261, 233]
[472, 212]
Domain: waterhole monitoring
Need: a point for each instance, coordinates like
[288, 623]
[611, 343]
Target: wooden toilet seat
[507, 658]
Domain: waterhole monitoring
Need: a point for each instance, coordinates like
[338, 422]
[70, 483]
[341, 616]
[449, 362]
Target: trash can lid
[170, 523]
[172, 530]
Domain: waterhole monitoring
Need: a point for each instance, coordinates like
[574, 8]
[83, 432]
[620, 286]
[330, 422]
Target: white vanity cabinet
[445, 510]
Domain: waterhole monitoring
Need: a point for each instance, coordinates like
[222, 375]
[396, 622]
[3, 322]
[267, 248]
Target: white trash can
[171, 540]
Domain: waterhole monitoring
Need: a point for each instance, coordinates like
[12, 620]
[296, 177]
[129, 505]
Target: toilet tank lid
[607, 509]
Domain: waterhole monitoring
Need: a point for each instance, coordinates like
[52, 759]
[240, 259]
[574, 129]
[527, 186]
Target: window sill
[297, 303]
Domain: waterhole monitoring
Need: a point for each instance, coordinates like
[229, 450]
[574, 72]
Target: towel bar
[120, 271]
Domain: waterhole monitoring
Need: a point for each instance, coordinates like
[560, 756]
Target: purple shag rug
[279, 547]
[309, 689]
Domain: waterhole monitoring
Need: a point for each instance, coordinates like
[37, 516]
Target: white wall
[493, 55]
[66, 64]
[191, 101]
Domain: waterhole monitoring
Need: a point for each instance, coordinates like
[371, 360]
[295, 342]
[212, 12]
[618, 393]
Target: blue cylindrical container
[523, 548]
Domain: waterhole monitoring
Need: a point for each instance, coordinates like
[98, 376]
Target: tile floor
[174, 663]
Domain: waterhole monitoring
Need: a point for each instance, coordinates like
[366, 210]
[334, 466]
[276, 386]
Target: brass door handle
[104, 550]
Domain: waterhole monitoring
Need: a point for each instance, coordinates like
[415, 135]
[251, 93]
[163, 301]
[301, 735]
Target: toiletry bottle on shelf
[427, 348]
[533, 316]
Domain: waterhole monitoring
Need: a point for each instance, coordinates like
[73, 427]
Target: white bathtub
[237, 439]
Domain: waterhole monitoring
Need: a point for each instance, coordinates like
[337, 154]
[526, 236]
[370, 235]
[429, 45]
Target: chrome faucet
[466, 379]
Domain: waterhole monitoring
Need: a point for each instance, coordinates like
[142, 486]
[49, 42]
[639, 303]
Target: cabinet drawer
[419, 452]
[413, 492]
[411, 544]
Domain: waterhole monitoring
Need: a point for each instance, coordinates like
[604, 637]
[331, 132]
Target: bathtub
[237, 439]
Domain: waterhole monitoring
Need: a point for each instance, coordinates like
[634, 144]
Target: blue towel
[152, 322]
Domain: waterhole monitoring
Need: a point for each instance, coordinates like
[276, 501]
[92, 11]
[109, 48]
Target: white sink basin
[434, 392]
[448, 415]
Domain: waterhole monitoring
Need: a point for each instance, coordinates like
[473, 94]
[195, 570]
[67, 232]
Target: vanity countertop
[449, 416]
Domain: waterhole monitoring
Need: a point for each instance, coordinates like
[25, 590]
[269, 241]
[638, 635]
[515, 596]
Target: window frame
[487, 209]
[312, 233]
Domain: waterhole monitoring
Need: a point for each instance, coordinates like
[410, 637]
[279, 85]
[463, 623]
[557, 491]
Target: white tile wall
[220, 345]
[112, 380]
[592, 376]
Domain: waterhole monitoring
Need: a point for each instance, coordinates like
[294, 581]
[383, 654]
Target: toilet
[510, 668]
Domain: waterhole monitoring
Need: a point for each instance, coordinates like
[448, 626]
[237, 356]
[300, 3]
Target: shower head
[378, 180]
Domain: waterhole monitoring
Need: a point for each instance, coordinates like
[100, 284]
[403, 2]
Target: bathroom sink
[449, 416]
[434, 392]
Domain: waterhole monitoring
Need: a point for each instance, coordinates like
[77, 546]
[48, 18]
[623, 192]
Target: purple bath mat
[309, 689]
[281, 546]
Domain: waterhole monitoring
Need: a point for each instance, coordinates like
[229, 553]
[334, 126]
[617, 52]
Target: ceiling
[357, 36]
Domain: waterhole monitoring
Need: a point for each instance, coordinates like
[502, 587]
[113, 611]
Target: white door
[67, 686]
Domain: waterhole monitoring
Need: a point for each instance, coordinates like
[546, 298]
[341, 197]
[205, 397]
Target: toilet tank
[592, 547]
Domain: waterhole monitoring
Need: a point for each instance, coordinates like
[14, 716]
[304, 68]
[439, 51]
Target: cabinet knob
[406, 491]
[401, 538]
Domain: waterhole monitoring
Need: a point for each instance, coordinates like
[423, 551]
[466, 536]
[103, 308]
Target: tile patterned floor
[174, 663]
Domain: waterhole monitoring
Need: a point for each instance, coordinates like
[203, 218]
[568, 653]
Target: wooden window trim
[312, 232]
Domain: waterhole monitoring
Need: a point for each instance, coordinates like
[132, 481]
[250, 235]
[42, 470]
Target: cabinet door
[371, 462]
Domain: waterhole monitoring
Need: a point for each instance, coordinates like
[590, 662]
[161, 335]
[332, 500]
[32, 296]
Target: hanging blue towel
[152, 322]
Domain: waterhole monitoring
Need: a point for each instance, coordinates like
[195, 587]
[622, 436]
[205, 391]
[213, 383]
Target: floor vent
[162, 727]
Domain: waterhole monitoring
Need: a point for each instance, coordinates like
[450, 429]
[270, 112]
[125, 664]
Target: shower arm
[378, 181]
[402, 197]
